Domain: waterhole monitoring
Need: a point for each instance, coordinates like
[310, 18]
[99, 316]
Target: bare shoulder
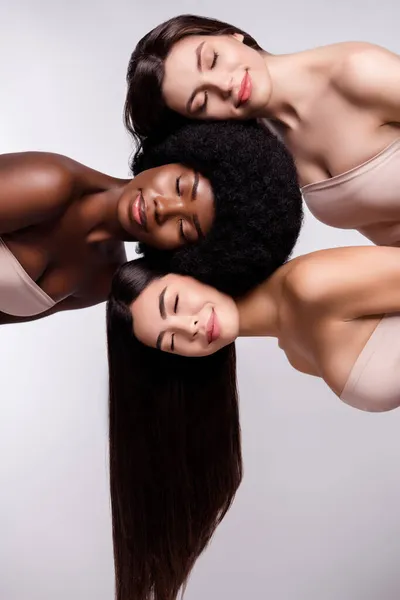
[52, 174]
[303, 282]
[361, 67]
[318, 277]
[327, 277]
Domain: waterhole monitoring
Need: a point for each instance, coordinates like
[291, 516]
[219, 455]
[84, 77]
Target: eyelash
[214, 62]
[178, 189]
[181, 232]
[204, 106]
[173, 335]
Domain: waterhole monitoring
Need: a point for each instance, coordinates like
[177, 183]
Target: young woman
[175, 453]
[334, 313]
[62, 225]
[174, 432]
[337, 108]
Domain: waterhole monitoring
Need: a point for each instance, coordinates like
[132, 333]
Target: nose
[188, 325]
[167, 207]
[222, 83]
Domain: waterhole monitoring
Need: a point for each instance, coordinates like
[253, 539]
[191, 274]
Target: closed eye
[214, 62]
[181, 232]
[203, 107]
[176, 304]
[178, 187]
[172, 342]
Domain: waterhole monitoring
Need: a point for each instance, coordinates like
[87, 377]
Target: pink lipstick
[213, 328]
[245, 89]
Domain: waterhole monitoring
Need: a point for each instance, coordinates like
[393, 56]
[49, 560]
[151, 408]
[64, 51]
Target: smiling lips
[139, 211]
[213, 329]
[245, 89]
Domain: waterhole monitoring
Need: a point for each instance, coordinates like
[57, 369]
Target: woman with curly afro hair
[175, 451]
[218, 201]
[257, 206]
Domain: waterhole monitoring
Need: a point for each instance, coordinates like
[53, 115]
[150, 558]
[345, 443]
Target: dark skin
[66, 223]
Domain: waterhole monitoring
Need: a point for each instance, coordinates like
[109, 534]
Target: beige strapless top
[366, 198]
[374, 382]
[20, 296]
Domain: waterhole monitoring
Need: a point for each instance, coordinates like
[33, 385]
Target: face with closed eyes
[181, 315]
[167, 207]
[216, 77]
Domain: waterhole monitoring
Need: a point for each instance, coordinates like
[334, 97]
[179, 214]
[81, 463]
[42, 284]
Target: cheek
[165, 237]
[220, 108]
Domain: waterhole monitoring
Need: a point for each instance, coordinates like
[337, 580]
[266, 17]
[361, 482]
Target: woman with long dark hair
[174, 429]
[337, 109]
[175, 454]
[335, 313]
[62, 224]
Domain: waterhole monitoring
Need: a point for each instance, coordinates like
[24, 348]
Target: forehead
[184, 56]
[166, 170]
[145, 312]
[147, 301]
[187, 43]
[194, 41]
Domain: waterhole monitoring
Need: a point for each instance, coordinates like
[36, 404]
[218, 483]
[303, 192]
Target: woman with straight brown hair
[175, 452]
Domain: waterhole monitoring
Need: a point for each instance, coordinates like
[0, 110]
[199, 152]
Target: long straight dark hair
[175, 450]
[145, 112]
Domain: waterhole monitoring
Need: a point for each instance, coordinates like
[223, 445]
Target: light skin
[321, 307]
[335, 106]
[204, 74]
[180, 317]
[66, 223]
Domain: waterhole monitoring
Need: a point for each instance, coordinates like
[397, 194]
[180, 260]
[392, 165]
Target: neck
[291, 78]
[259, 310]
[101, 212]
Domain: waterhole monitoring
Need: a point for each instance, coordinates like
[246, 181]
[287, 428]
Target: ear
[239, 37]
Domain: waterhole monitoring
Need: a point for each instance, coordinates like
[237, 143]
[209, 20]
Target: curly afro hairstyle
[258, 203]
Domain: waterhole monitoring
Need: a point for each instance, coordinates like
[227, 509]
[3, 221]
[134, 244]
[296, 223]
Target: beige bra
[374, 382]
[366, 198]
[20, 296]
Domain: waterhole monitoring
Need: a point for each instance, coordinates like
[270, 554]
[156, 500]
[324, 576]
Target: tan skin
[322, 308]
[66, 223]
[335, 106]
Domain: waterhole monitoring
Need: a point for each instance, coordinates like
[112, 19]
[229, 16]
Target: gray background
[317, 515]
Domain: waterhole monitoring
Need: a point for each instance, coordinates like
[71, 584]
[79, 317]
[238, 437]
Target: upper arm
[34, 186]
[348, 282]
[370, 76]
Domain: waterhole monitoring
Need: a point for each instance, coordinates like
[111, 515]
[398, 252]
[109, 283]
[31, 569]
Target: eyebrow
[161, 304]
[159, 340]
[198, 54]
[199, 68]
[163, 313]
[195, 185]
[196, 221]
